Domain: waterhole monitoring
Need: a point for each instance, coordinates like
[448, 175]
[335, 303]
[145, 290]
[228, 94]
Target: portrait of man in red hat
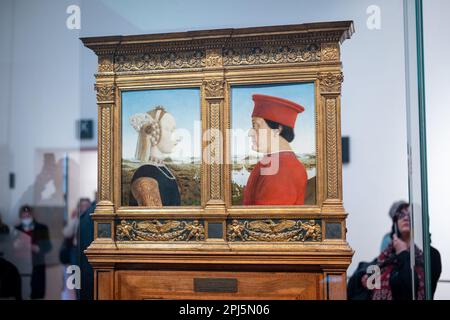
[278, 177]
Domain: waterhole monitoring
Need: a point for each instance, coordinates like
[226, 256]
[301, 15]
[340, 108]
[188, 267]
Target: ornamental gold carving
[213, 58]
[105, 93]
[105, 64]
[214, 88]
[215, 148]
[105, 153]
[158, 230]
[330, 52]
[330, 82]
[160, 61]
[271, 55]
[331, 134]
[274, 231]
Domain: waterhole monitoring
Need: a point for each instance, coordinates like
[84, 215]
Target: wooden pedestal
[134, 274]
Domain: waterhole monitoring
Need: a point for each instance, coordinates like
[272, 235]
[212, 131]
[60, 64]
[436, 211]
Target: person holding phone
[394, 262]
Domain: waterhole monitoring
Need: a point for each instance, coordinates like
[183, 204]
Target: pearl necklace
[158, 163]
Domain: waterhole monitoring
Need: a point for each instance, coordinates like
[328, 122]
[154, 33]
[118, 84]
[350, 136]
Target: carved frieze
[159, 61]
[160, 230]
[271, 55]
[274, 230]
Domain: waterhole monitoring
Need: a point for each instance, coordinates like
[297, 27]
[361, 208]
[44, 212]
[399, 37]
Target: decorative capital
[330, 52]
[105, 93]
[214, 58]
[105, 64]
[214, 88]
[330, 82]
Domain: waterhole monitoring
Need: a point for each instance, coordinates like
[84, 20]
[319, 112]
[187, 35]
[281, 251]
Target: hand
[35, 248]
[399, 244]
[74, 214]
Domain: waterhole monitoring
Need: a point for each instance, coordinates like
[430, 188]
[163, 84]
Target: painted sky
[242, 107]
[183, 104]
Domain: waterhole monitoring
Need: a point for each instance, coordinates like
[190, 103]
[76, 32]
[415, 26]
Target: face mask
[27, 221]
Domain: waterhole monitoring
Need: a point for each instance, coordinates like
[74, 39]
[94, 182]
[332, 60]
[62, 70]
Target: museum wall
[6, 34]
[49, 85]
[437, 83]
[43, 101]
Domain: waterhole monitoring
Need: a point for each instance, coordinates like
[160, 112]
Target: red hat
[276, 109]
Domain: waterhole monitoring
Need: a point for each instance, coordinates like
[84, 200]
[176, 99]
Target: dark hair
[286, 131]
[400, 208]
[25, 208]
[395, 218]
[83, 200]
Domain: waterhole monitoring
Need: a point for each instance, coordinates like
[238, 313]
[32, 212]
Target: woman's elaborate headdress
[148, 125]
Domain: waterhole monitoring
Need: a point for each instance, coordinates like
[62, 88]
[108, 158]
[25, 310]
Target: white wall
[50, 85]
[6, 45]
[437, 81]
[43, 99]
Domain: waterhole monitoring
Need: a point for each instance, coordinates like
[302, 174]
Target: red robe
[287, 186]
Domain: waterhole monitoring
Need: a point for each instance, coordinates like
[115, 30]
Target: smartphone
[396, 229]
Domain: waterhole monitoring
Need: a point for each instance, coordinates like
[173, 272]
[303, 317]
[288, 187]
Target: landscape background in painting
[304, 144]
[184, 161]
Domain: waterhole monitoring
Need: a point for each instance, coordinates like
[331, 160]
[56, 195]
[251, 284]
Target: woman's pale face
[261, 135]
[167, 142]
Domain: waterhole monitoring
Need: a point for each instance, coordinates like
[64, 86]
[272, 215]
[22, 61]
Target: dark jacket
[40, 237]
[10, 281]
[400, 279]
[86, 236]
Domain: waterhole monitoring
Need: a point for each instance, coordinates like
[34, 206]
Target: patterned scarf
[386, 261]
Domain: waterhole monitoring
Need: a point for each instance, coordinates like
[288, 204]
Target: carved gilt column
[213, 88]
[330, 90]
[105, 101]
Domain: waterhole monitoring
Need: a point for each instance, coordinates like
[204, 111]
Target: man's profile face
[261, 135]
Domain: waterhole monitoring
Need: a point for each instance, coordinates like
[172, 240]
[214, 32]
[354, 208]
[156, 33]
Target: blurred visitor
[395, 208]
[68, 252]
[394, 263]
[86, 236]
[4, 229]
[40, 246]
[10, 281]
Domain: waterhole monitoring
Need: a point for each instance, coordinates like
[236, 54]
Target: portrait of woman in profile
[153, 184]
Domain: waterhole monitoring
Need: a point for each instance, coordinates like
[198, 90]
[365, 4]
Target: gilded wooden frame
[213, 61]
